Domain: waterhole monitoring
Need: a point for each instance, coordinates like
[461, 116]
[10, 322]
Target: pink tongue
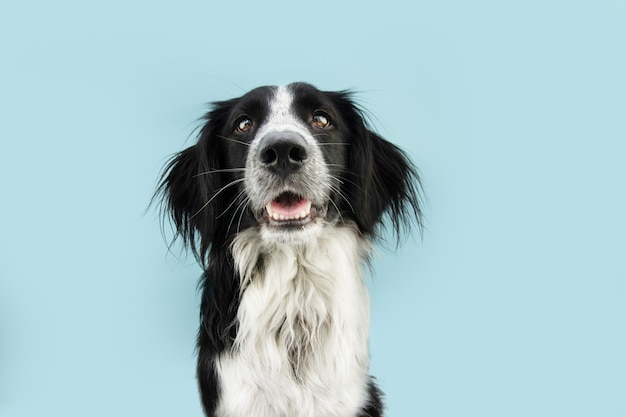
[289, 207]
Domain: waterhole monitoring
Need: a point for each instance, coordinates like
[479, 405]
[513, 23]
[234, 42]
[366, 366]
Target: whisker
[337, 208]
[220, 170]
[342, 167]
[315, 135]
[235, 200]
[243, 209]
[342, 195]
[244, 203]
[216, 194]
[233, 140]
[343, 180]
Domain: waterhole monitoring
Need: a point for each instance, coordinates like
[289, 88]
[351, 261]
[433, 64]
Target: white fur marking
[281, 118]
[313, 180]
[301, 348]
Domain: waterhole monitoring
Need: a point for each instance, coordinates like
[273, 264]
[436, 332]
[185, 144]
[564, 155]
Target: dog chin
[294, 231]
[292, 235]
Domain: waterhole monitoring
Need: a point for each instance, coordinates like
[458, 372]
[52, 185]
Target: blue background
[514, 302]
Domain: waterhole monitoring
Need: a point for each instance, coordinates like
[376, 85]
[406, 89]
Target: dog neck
[303, 320]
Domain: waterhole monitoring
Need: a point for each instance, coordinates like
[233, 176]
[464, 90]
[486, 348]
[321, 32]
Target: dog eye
[321, 120]
[244, 125]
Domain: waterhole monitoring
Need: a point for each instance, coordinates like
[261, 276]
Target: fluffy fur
[280, 199]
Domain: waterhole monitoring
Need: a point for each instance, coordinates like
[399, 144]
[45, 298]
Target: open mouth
[291, 210]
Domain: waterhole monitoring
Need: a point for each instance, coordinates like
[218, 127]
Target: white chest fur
[301, 348]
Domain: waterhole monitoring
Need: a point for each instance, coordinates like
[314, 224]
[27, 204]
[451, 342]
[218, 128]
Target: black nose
[282, 152]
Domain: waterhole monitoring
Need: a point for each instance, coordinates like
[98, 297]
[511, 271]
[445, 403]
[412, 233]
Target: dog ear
[186, 190]
[385, 182]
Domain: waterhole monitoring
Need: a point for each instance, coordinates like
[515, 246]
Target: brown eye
[321, 120]
[244, 125]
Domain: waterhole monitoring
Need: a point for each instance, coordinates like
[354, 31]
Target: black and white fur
[280, 199]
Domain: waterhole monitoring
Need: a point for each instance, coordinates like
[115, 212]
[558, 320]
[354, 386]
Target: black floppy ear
[186, 189]
[384, 182]
[190, 183]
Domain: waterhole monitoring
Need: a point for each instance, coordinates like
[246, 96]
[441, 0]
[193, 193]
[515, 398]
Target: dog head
[288, 161]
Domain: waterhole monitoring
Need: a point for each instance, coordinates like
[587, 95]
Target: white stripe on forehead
[281, 118]
[280, 105]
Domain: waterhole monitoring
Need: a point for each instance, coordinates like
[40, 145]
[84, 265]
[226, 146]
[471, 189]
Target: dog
[280, 200]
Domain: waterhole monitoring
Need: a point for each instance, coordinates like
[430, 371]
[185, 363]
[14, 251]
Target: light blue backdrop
[514, 303]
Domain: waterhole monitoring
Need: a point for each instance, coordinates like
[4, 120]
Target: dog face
[287, 161]
[293, 163]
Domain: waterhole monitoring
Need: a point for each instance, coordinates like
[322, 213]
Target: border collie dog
[280, 199]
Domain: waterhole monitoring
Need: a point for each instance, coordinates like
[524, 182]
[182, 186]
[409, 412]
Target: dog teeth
[279, 217]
